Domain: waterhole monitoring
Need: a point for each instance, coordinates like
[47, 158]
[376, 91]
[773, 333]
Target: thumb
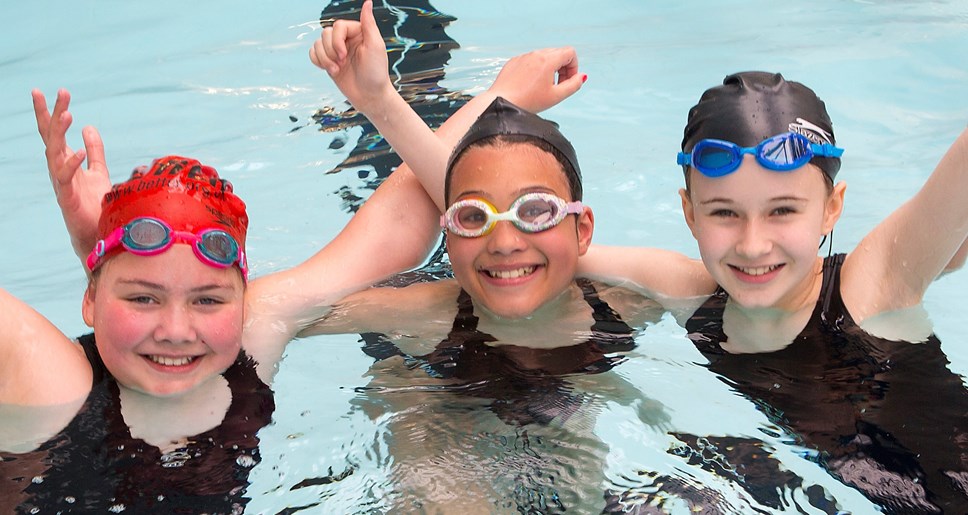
[371, 32]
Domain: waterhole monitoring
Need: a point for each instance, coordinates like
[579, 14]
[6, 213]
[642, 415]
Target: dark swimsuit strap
[830, 290]
[99, 371]
[607, 320]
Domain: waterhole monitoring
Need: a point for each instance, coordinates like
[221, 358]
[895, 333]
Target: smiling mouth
[171, 362]
[510, 274]
[759, 270]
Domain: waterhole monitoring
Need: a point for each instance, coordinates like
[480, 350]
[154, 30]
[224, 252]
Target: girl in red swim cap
[184, 342]
[168, 295]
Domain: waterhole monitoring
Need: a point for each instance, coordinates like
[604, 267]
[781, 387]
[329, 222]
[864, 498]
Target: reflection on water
[418, 49]
[885, 417]
[405, 437]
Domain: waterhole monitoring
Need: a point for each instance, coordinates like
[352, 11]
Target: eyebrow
[723, 200]
[517, 193]
[155, 286]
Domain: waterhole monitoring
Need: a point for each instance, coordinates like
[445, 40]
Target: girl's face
[167, 323]
[758, 231]
[509, 272]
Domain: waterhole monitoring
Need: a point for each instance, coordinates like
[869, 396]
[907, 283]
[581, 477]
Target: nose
[505, 238]
[754, 240]
[176, 325]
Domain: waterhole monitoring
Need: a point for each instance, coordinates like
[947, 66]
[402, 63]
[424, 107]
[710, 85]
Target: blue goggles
[781, 153]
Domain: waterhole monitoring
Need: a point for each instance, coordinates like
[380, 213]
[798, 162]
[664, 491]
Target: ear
[833, 207]
[586, 226]
[688, 211]
[87, 305]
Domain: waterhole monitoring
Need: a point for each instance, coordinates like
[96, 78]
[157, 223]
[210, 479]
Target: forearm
[396, 228]
[354, 56]
[393, 231]
[656, 273]
[424, 152]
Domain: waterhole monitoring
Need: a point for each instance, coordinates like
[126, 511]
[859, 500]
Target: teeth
[511, 274]
[171, 362]
[760, 270]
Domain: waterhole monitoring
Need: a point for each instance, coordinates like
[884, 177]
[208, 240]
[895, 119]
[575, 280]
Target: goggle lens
[539, 214]
[218, 246]
[784, 152]
[714, 159]
[146, 234]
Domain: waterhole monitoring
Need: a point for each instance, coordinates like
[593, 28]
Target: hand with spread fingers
[79, 190]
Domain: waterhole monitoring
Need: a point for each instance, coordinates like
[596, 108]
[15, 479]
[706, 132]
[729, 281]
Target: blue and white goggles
[781, 153]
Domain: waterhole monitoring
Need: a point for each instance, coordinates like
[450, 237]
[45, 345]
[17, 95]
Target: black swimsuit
[524, 383]
[94, 464]
[888, 418]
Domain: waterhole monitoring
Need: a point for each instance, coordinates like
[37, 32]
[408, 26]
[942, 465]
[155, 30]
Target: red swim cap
[186, 194]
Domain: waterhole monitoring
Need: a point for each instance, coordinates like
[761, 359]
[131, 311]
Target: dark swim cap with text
[750, 107]
[502, 118]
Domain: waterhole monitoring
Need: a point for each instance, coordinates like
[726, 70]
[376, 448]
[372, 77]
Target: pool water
[232, 85]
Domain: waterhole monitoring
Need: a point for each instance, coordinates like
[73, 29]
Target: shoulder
[39, 364]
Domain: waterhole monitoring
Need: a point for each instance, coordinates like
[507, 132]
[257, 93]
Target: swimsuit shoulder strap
[99, 371]
[607, 320]
[830, 309]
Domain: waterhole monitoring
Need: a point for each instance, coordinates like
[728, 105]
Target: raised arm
[39, 365]
[354, 55]
[393, 231]
[916, 243]
[79, 191]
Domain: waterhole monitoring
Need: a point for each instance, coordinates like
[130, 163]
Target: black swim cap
[752, 106]
[502, 118]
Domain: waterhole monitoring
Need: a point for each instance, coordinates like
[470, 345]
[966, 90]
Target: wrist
[378, 101]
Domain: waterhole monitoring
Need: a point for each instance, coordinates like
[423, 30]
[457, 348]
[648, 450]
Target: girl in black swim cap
[760, 160]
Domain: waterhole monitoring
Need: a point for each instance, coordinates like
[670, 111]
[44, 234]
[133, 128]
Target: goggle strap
[826, 150]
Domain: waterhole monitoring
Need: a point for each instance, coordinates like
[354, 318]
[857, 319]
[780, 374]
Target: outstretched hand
[79, 191]
[540, 79]
[355, 57]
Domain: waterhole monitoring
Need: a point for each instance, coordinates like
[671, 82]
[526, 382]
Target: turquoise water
[228, 83]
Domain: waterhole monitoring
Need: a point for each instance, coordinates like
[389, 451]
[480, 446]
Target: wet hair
[504, 123]
[750, 107]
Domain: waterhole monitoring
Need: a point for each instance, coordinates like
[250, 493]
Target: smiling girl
[821, 343]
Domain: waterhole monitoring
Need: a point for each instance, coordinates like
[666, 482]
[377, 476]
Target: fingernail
[584, 77]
